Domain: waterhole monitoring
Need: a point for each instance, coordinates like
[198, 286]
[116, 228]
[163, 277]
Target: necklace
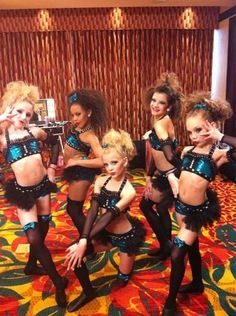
[83, 130]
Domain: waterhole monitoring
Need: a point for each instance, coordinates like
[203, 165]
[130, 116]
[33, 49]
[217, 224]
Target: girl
[197, 205]
[164, 101]
[31, 187]
[112, 195]
[88, 112]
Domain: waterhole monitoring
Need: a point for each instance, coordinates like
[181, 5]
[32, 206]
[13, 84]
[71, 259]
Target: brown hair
[211, 110]
[168, 83]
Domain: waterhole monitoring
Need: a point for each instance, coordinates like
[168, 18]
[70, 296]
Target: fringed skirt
[24, 197]
[128, 242]
[162, 184]
[201, 215]
[76, 173]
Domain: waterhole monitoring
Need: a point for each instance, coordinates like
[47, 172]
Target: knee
[33, 234]
[145, 205]
[74, 205]
[178, 250]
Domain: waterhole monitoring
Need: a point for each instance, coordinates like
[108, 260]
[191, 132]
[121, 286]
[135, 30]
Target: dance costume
[208, 211]
[24, 197]
[76, 173]
[130, 241]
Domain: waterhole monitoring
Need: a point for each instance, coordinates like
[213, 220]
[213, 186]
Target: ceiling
[44, 4]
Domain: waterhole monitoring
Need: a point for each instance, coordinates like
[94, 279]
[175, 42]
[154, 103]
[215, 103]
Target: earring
[89, 114]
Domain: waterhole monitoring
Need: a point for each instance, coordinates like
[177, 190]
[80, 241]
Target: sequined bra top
[75, 142]
[21, 148]
[110, 198]
[200, 164]
[157, 143]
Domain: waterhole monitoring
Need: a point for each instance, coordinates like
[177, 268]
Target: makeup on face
[23, 112]
[159, 104]
[79, 116]
[195, 128]
[114, 164]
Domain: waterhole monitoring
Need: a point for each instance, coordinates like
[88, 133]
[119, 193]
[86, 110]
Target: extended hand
[7, 115]
[75, 254]
[212, 133]
[72, 162]
[174, 183]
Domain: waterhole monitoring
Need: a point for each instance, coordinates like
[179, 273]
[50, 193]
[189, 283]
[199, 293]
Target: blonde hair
[168, 84]
[119, 141]
[18, 91]
[202, 103]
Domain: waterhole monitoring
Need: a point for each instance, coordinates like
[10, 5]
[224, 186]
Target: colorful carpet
[145, 293]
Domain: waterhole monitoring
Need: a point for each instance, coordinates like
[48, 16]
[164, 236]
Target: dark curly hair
[168, 84]
[211, 110]
[91, 100]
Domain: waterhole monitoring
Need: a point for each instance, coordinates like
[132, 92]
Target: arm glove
[91, 217]
[170, 155]
[104, 220]
[230, 140]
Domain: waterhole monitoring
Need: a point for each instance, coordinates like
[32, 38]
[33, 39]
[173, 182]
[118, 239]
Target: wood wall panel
[120, 62]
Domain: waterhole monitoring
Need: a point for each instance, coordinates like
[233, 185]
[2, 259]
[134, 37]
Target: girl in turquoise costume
[88, 113]
[111, 199]
[164, 101]
[31, 187]
[197, 205]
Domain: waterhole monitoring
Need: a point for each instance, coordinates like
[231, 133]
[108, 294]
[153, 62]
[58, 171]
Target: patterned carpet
[145, 293]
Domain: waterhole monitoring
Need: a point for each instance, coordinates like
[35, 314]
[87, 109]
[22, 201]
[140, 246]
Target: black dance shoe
[60, 293]
[191, 288]
[169, 311]
[80, 301]
[34, 270]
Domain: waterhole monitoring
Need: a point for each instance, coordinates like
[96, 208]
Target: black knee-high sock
[42, 253]
[195, 261]
[165, 220]
[82, 275]
[153, 219]
[43, 222]
[75, 210]
[178, 253]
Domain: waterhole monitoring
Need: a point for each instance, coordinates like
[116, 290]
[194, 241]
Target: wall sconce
[187, 17]
[43, 17]
[116, 18]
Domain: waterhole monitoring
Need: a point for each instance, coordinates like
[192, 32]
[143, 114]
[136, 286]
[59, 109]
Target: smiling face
[195, 128]
[80, 117]
[115, 164]
[159, 104]
[23, 112]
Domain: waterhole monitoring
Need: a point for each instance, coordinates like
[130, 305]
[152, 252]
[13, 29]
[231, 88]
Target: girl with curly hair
[82, 151]
[197, 205]
[164, 101]
[112, 196]
[30, 189]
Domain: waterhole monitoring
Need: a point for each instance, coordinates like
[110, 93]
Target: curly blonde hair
[18, 91]
[119, 141]
[202, 103]
[169, 84]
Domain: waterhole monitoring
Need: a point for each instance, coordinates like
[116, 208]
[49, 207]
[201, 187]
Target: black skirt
[24, 197]
[201, 215]
[76, 173]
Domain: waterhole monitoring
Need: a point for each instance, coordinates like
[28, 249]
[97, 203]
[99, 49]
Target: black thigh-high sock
[153, 219]
[43, 222]
[75, 210]
[82, 275]
[165, 221]
[42, 253]
[195, 261]
[178, 253]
